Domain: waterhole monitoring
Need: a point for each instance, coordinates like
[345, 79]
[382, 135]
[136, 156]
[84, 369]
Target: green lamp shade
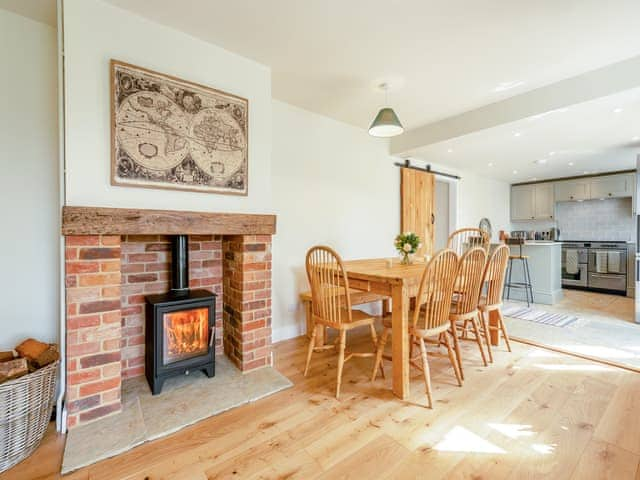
[386, 124]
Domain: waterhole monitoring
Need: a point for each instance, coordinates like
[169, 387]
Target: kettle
[554, 234]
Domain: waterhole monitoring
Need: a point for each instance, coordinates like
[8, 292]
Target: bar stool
[526, 284]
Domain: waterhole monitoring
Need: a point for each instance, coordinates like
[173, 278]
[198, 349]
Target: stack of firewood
[27, 357]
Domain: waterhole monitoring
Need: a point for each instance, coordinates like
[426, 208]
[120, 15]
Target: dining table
[401, 283]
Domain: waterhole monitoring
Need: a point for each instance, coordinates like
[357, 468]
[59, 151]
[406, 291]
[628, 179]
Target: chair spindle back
[436, 290]
[494, 274]
[329, 285]
[465, 238]
[471, 268]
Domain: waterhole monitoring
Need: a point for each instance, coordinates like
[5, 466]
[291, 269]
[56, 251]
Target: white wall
[96, 32]
[333, 184]
[29, 181]
[479, 197]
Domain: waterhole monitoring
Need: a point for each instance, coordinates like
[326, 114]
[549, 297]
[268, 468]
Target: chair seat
[358, 318]
[482, 304]
[386, 323]
[358, 297]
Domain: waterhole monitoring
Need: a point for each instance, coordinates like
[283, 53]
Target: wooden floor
[585, 303]
[532, 414]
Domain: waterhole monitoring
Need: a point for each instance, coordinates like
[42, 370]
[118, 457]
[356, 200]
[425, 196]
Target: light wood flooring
[532, 414]
[601, 304]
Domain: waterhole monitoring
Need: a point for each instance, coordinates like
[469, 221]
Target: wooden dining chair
[331, 306]
[494, 275]
[464, 309]
[430, 319]
[465, 238]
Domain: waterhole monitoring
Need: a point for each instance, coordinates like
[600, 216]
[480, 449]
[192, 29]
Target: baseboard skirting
[289, 331]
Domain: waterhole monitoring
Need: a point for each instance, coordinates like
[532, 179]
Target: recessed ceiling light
[617, 110]
[551, 154]
[571, 164]
[635, 139]
[517, 134]
[515, 172]
[586, 172]
[540, 161]
[449, 150]
[533, 179]
[490, 164]
[503, 86]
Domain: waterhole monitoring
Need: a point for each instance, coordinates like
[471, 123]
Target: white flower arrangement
[406, 244]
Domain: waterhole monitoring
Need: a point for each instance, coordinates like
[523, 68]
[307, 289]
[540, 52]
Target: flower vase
[407, 259]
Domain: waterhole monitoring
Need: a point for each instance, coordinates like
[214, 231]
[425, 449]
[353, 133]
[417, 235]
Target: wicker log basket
[25, 409]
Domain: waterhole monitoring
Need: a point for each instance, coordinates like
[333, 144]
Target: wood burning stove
[180, 325]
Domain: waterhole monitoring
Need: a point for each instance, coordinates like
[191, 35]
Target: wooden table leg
[494, 327]
[400, 341]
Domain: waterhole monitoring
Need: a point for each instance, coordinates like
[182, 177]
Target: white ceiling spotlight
[490, 164]
[515, 172]
[504, 86]
[450, 150]
[541, 161]
[517, 134]
[571, 164]
[617, 110]
[635, 139]
[386, 123]
[551, 154]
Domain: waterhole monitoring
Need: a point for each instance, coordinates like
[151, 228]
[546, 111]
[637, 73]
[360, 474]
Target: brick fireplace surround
[114, 257]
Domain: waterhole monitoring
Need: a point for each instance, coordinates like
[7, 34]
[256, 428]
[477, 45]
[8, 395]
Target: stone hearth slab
[184, 400]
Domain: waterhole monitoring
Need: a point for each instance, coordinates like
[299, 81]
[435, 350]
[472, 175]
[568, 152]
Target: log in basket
[25, 409]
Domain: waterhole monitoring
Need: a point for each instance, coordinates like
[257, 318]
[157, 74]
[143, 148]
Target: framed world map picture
[171, 133]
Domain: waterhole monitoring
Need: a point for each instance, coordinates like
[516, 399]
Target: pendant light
[386, 123]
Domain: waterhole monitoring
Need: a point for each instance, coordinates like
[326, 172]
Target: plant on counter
[407, 244]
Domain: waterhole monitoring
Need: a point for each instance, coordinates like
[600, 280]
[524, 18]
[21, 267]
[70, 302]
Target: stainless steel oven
[577, 274]
[608, 266]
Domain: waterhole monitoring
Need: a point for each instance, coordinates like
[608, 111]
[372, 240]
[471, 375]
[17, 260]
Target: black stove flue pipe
[180, 264]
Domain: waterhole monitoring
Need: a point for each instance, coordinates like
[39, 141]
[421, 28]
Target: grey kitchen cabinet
[572, 190]
[612, 186]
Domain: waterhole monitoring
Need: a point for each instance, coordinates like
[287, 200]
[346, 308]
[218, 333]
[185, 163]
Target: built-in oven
[608, 266]
[575, 260]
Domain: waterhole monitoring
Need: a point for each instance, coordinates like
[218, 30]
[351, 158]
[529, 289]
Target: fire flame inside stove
[186, 334]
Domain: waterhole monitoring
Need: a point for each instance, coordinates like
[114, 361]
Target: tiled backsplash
[596, 220]
[610, 219]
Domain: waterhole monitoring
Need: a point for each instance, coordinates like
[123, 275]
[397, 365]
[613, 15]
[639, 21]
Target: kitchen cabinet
[614, 186]
[572, 190]
[522, 202]
[532, 202]
[544, 200]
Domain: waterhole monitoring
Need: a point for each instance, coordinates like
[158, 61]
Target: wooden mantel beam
[125, 221]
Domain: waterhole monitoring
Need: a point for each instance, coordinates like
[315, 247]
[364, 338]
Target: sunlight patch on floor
[459, 439]
[598, 351]
[574, 368]
[543, 448]
[513, 430]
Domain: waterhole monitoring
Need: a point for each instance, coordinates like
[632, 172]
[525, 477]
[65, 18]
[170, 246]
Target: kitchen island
[545, 268]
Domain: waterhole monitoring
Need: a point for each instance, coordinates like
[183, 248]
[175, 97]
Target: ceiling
[43, 11]
[441, 57]
[597, 136]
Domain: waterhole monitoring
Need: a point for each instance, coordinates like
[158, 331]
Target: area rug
[539, 316]
[183, 401]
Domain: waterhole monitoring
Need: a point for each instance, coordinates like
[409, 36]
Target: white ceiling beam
[605, 81]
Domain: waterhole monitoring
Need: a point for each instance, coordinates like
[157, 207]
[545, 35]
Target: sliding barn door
[418, 199]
